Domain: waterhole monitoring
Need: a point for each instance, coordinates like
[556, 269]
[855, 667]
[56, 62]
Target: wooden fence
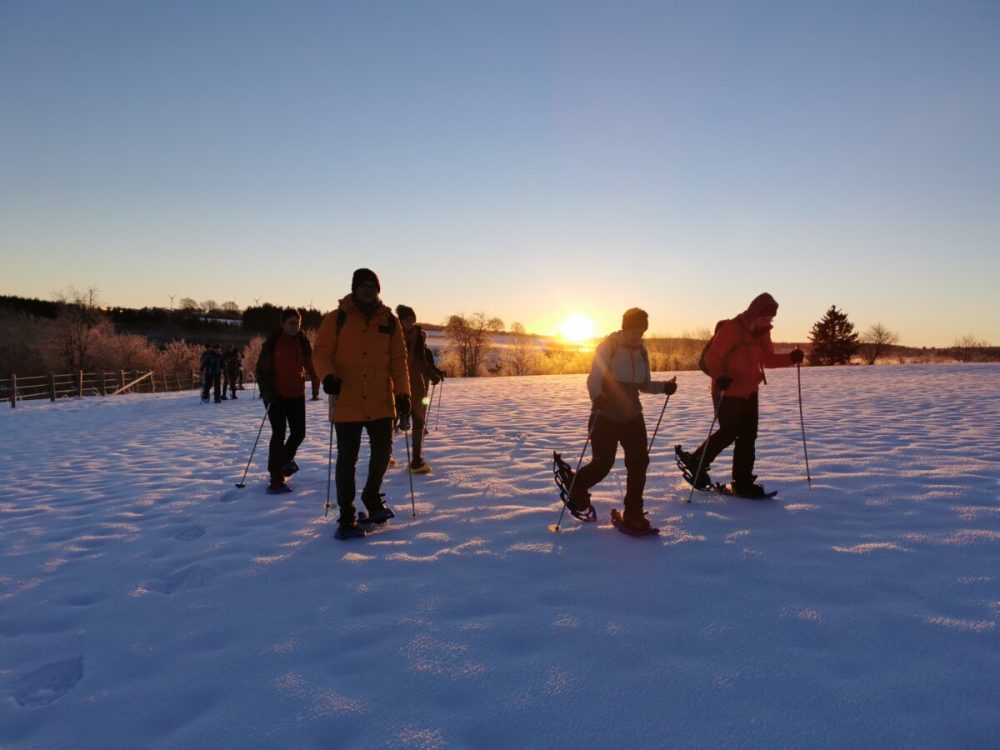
[79, 384]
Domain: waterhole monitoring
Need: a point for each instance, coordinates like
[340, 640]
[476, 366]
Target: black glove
[402, 406]
[723, 382]
[599, 401]
[796, 355]
[331, 385]
[436, 377]
[440, 373]
[670, 388]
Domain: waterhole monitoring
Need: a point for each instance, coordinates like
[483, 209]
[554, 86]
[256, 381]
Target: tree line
[74, 332]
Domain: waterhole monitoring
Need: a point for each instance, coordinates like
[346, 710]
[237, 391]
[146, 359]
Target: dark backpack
[702, 364]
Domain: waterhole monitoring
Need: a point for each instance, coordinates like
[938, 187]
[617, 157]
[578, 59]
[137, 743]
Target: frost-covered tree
[875, 341]
[833, 339]
[470, 340]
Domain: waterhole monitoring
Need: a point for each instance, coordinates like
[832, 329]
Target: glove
[723, 382]
[436, 376]
[796, 355]
[669, 388]
[402, 406]
[331, 385]
[599, 401]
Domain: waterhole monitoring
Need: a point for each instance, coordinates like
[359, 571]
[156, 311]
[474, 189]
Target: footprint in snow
[190, 533]
[48, 683]
[188, 578]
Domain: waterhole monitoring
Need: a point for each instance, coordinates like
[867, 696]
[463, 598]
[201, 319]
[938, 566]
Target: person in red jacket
[735, 359]
[285, 358]
[420, 360]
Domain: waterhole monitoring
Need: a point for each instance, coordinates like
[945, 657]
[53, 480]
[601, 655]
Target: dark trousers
[290, 413]
[737, 424]
[348, 446]
[606, 436]
[211, 380]
[229, 382]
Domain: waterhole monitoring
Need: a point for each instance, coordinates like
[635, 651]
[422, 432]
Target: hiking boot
[376, 506]
[381, 516]
[690, 463]
[347, 527]
[580, 502]
[225, 398]
[290, 468]
[419, 467]
[748, 489]
[636, 521]
[278, 488]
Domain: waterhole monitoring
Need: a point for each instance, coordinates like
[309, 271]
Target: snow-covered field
[145, 602]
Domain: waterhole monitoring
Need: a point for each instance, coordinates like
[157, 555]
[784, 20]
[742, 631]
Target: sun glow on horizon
[577, 328]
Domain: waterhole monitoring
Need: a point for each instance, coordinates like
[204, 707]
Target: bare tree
[77, 328]
[874, 342]
[230, 307]
[187, 303]
[521, 357]
[209, 306]
[470, 340]
[966, 348]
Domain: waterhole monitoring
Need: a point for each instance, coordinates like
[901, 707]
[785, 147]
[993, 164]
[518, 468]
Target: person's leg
[380, 442]
[217, 386]
[295, 410]
[634, 444]
[723, 437]
[604, 446]
[348, 446]
[419, 413]
[276, 448]
[206, 384]
[745, 452]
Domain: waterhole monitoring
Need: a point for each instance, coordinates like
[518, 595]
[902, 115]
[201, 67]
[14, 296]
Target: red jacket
[739, 353]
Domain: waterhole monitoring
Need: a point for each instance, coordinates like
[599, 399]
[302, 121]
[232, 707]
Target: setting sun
[577, 328]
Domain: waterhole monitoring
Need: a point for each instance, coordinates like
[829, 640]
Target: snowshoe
[688, 465]
[633, 526]
[564, 475]
[349, 531]
[419, 467]
[290, 468]
[377, 517]
[278, 489]
[749, 490]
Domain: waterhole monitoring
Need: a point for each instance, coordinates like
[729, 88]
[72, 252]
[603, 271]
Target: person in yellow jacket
[360, 357]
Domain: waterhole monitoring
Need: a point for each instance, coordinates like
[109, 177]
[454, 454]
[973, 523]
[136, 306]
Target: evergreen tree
[833, 339]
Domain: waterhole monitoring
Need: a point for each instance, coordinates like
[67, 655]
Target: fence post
[104, 383]
[79, 387]
[152, 382]
[121, 378]
[52, 386]
[13, 391]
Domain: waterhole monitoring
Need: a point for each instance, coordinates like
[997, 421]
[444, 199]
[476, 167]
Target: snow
[147, 602]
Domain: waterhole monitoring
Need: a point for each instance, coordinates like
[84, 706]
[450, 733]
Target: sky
[523, 159]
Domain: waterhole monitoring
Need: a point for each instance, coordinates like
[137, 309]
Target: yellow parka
[369, 356]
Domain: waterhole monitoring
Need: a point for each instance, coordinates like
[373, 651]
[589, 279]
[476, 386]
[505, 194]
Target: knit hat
[762, 304]
[404, 311]
[635, 317]
[362, 275]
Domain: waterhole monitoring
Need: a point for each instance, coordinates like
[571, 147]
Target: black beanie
[362, 275]
[405, 311]
[635, 317]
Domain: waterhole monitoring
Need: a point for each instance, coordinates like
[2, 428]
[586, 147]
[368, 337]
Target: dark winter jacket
[420, 360]
[211, 363]
[283, 363]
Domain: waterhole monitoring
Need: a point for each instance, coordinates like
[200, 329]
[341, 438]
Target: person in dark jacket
[211, 372]
[619, 372]
[735, 358]
[422, 370]
[361, 360]
[285, 358]
[230, 370]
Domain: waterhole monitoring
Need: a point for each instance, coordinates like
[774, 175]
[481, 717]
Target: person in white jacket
[619, 372]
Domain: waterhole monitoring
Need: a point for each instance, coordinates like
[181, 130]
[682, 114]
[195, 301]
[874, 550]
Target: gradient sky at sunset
[525, 159]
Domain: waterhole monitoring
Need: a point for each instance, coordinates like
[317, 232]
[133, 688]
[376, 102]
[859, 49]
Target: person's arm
[770, 359]
[599, 370]
[322, 360]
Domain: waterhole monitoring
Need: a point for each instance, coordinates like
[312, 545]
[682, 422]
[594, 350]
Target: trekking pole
[576, 472]
[329, 466]
[650, 447]
[440, 399]
[241, 484]
[701, 462]
[405, 424]
[802, 421]
[430, 405]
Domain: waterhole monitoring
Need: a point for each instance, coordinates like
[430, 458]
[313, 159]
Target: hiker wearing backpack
[361, 361]
[735, 359]
[285, 358]
[422, 370]
[620, 370]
